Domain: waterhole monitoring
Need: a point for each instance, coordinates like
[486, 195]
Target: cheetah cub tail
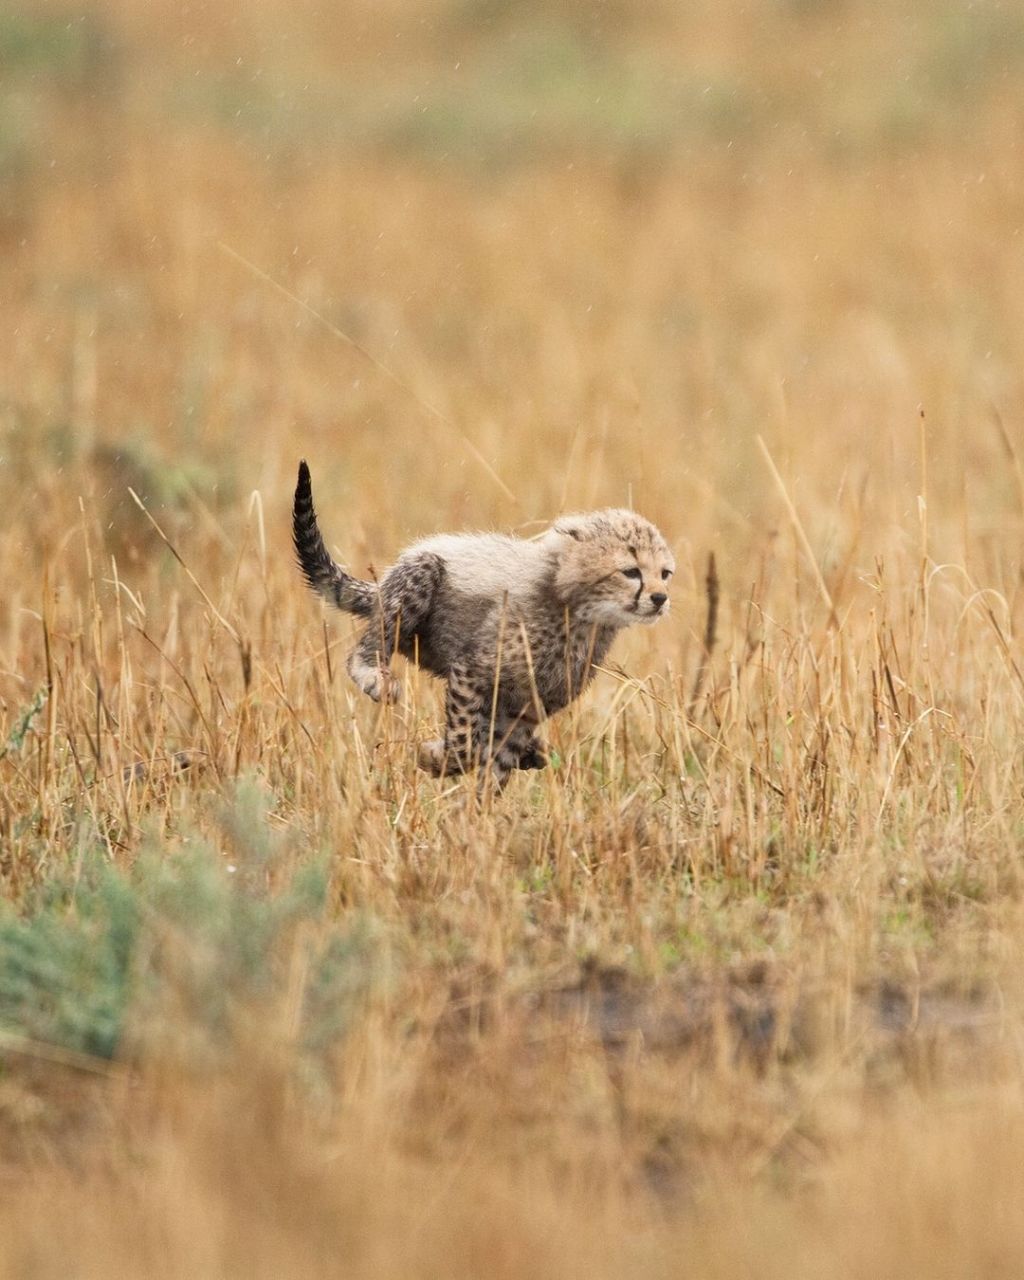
[327, 578]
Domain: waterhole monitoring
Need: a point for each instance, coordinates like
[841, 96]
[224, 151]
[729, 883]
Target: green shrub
[177, 951]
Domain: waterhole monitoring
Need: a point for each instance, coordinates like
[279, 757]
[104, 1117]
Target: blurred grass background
[736, 989]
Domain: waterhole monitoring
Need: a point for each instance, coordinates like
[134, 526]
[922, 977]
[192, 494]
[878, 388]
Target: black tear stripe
[639, 593]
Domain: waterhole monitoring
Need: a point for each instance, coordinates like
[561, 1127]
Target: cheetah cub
[515, 627]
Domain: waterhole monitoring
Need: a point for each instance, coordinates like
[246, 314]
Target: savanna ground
[737, 988]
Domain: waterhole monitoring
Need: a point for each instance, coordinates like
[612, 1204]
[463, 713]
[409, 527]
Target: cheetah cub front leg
[474, 736]
[458, 751]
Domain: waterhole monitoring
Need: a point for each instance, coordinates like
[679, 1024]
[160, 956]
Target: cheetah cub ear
[572, 527]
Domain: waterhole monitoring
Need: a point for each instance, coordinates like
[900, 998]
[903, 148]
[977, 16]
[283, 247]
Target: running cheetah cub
[515, 627]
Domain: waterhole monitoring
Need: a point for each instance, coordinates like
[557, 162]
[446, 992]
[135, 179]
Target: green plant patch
[179, 950]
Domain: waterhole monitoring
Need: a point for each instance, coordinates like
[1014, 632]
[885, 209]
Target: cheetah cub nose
[658, 598]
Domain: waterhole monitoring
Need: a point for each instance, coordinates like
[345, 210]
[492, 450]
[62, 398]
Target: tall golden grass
[733, 990]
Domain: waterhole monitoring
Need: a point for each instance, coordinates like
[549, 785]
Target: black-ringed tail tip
[454, 601]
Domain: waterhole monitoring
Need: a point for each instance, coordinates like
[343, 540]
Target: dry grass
[735, 989]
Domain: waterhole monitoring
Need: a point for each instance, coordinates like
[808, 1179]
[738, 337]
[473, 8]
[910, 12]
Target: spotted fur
[515, 627]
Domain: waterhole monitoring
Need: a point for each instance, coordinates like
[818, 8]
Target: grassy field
[736, 989]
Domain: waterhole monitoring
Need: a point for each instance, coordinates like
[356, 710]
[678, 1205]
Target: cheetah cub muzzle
[515, 627]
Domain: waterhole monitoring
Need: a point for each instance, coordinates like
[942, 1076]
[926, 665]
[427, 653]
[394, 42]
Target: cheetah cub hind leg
[406, 597]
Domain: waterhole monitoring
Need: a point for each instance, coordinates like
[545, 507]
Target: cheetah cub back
[514, 627]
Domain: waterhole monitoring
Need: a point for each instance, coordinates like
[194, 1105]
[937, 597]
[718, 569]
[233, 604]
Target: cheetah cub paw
[432, 757]
[378, 683]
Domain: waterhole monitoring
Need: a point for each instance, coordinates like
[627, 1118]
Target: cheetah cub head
[612, 567]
